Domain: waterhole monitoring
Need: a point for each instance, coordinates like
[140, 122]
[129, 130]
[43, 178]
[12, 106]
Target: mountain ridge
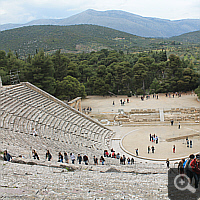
[121, 21]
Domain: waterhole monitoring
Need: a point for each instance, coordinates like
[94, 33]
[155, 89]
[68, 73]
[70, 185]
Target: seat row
[24, 107]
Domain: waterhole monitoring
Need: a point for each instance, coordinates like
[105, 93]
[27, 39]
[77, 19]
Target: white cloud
[22, 11]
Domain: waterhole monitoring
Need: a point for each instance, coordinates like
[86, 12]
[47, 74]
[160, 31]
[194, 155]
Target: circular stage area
[139, 137]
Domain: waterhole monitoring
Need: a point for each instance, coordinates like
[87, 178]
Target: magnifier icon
[183, 180]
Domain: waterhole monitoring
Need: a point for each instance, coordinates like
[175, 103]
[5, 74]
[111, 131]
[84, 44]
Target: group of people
[188, 142]
[122, 159]
[79, 159]
[153, 138]
[173, 94]
[87, 110]
[179, 124]
[150, 149]
[191, 167]
[129, 161]
[122, 102]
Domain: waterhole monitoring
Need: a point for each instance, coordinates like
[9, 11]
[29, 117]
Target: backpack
[184, 163]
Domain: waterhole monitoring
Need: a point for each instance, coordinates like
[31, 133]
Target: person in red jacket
[195, 164]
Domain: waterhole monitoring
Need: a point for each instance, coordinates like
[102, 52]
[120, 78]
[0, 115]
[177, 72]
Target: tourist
[79, 158]
[167, 161]
[113, 103]
[72, 156]
[172, 122]
[190, 143]
[118, 156]
[195, 164]
[124, 159]
[128, 161]
[132, 161]
[121, 160]
[150, 137]
[179, 125]
[48, 155]
[95, 160]
[6, 156]
[102, 160]
[35, 155]
[85, 159]
[113, 154]
[60, 157]
[105, 153]
[148, 149]
[180, 166]
[156, 139]
[66, 157]
[188, 168]
[174, 148]
[153, 149]
[136, 151]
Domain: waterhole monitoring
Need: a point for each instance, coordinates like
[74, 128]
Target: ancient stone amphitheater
[24, 107]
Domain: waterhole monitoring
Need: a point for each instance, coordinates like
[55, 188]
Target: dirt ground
[138, 136]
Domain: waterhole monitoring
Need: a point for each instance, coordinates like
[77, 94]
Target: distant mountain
[122, 21]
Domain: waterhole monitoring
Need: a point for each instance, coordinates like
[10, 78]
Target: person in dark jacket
[79, 158]
[48, 155]
[60, 157]
[195, 164]
[85, 159]
[7, 156]
[188, 168]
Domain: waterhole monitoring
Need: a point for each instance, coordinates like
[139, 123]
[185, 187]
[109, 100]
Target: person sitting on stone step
[7, 156]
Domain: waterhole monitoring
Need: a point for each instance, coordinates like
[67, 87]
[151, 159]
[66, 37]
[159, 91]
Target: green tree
[60, 62]
[140, 73]
[70, 88]
[42, 72]
[155, 86]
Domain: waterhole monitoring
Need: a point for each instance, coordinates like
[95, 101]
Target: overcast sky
[22, 11]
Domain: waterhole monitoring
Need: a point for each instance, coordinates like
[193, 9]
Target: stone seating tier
[52, 119]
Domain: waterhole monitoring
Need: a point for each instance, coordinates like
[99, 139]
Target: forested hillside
[70, 75]
[76, 38]
[121, 21]
[88, 38]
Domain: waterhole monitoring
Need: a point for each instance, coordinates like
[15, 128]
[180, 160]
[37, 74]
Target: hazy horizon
[21, 12]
